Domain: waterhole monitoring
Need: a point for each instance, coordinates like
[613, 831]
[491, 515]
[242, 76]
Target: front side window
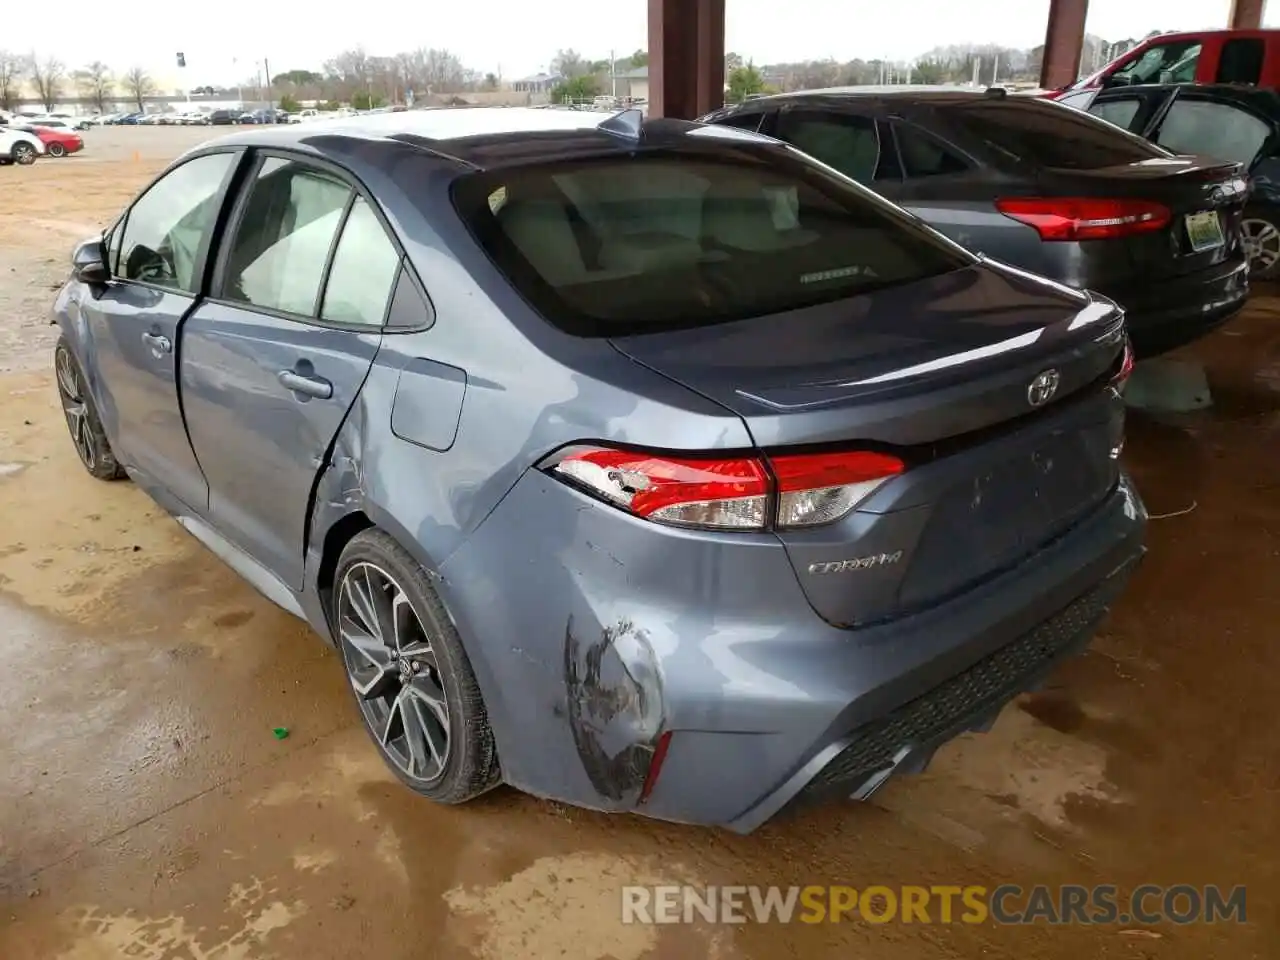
[1216, 129]
[1177, 60]
[168, 225]
[281, 245]
[691, 237]
[847, 143]
[923, 156]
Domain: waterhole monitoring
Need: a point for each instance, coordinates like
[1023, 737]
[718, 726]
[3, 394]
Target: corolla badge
[1041, 390]
[856, 563]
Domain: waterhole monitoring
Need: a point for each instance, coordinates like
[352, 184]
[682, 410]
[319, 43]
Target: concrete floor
[147, 811]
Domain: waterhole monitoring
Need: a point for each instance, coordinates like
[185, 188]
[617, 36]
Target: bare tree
[47, 76]
[351, 71]
[139, 85]
[95, 82]
[11, 69]
[570, 64]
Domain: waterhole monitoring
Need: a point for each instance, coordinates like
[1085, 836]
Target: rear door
[157, 253]
[272, 364]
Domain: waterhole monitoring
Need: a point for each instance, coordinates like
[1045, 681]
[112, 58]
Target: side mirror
[89, 262]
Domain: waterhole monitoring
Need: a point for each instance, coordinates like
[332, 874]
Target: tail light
[1081, 218]
[748, 493]
[1124, 368]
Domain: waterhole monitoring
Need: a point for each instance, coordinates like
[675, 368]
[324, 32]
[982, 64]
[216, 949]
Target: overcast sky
[520, 37]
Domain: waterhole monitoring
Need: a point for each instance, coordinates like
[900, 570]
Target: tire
[1261, 227]
[23, 153]
[469, 766]
[83, 423]
[56, 150]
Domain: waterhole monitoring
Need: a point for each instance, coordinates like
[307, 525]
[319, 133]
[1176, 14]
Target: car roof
[887, 94]
[484, 137]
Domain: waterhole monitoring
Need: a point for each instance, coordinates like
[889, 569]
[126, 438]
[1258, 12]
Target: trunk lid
[1188, 187]
[939, 373]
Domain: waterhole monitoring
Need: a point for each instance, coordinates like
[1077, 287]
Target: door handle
[159, 345]
[316, 387]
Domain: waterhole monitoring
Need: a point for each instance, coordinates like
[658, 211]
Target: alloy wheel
[75, 409]
[1262, 244]
[57, 150]
[24, 154]
[393, 669]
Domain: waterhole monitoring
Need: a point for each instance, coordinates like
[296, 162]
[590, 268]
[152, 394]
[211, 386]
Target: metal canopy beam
[686, 57]
[1063, 41]
[1246, 14]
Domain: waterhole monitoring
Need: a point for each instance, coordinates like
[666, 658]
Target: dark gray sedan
[1044, 187]
[650, 466]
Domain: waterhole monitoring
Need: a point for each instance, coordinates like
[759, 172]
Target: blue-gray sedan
[646, 465]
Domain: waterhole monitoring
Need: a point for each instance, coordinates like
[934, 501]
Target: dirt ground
[147, 811]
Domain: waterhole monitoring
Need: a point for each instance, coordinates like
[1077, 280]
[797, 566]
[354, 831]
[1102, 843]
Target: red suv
[1211, 56]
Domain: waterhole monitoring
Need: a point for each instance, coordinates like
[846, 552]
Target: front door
[158, 252]
[273, 363]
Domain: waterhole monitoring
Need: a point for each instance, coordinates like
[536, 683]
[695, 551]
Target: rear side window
[850, 144]
[1043, 134]
[364, 271]
[278, 255]
[1217, 129]
[1241, 61]
[923, 156]
[683, 238]
[1119, 112]
[743, 121]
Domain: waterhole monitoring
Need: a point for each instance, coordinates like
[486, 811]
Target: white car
[18, 146]
[59, 122]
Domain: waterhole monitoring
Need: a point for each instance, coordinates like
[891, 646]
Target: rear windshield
[684, 238]
[1041, 133]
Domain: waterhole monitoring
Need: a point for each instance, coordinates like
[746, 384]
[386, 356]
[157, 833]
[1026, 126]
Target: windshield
[1045, 134]
[691, 237]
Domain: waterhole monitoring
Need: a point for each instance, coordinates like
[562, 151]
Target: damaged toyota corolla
[644, 465]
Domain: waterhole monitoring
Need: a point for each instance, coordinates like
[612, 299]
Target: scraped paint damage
[615, 705]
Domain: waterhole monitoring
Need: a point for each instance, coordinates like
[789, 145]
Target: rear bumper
[588, 650]
[1165, 314]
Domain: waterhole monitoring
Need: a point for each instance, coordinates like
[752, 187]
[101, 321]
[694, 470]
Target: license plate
[1205, 231]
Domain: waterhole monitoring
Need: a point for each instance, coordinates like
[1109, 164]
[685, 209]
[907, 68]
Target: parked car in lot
[58, 123]
[223, 117]
[1045, 188]
[19, 146]
[1220, 120]
[131, 119]
[646, 465]
[1205, 56]
[57, 143]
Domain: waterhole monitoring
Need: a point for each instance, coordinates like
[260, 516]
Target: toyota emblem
[1043, 387]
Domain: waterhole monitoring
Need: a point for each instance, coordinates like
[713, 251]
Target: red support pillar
[1063, 41]
[1246, 14]
[686, 57]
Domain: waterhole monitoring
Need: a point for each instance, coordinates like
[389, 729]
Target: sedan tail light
[740, 493]
[1124, 368]
[1082, 218]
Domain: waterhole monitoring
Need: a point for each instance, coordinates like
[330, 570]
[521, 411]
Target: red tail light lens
[818, 488]
[1125, 369]
[732, 494]
[728, 494]
[1082, 218]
